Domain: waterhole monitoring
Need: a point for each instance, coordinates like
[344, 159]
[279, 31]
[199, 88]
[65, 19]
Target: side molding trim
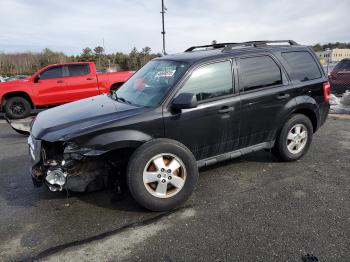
[234, 154]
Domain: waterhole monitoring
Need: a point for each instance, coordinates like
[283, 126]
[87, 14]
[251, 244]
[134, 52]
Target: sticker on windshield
[165, 74]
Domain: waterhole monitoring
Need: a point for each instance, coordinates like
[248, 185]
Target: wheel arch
[302, 105]
[15, 94]
[310, 114]
[309, 107]
[115, 140]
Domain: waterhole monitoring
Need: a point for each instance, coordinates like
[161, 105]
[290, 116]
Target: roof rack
[260, 43]
[212, 46]
[229, 46]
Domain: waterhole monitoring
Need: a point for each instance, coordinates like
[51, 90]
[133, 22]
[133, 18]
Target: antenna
[163, 27]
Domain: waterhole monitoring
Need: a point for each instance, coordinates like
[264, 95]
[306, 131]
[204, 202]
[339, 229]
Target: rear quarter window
[302, 66]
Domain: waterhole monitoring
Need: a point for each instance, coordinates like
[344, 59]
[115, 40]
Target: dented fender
[109, 141]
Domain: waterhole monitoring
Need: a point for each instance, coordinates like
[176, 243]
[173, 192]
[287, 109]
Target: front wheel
[294, 139]
[162, 174]
[17, 107]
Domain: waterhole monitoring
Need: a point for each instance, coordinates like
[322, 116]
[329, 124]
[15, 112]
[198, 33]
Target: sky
[71, 25]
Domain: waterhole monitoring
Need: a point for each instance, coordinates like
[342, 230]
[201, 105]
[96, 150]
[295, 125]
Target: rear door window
[303, 66]
[53, 72]
[78, 70]
[258, 72]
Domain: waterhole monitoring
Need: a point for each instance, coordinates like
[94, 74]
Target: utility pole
[163, 27]
[329, 52]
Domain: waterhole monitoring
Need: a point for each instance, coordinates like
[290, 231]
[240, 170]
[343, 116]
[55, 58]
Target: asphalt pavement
[253, 208]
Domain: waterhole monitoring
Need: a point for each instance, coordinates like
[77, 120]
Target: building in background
[333, 56]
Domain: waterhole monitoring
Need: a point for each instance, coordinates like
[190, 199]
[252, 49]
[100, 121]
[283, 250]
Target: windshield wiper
[121, 99]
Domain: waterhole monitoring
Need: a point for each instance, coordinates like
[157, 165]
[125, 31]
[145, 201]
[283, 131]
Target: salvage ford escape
[180, 112]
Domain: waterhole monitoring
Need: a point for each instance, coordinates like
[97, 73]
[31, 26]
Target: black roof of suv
[219, 50]
[181, 112]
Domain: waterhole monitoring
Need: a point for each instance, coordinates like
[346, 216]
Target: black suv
[180, 112]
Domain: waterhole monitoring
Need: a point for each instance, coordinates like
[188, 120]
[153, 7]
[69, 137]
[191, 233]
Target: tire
[17, 107]
[147, 181]
[291, 143]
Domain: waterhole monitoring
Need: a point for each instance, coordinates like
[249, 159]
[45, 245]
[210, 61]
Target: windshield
[148, 86]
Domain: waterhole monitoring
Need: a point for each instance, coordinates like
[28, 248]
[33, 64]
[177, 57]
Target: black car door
[212, 127]
[264, 91]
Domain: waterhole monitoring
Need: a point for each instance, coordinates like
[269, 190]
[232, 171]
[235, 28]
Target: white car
[2, 79]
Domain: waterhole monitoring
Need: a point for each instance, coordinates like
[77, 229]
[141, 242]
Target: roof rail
[229, 46]
[212, 46]
[259, 43]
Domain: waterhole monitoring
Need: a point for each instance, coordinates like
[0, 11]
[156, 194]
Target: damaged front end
[65, 165]
[79, 146]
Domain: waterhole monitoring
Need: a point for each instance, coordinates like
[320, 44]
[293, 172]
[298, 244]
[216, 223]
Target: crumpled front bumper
[34, 146]
[64, 170]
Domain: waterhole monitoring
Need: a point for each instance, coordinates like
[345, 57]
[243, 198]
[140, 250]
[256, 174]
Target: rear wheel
[162, 174]
[17, 107]
[295, 138]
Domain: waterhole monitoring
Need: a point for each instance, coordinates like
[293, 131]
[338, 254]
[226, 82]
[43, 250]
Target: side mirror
[184, 101]
[36, 78]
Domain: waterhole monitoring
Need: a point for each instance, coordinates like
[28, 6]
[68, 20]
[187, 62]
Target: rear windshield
[303, 66]
[343, 65]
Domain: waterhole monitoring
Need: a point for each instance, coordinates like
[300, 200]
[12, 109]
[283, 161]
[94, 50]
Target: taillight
[326, 91]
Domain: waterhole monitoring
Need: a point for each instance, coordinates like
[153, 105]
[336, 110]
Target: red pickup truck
[56, 84]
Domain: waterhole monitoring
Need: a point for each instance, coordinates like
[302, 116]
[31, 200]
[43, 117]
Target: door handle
[60, 81]
[226, 109]
[90, 78]
[282, 96]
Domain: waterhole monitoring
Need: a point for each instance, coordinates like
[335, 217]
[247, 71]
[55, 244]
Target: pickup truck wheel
[17, 107]
[295, 138]
[162, 174]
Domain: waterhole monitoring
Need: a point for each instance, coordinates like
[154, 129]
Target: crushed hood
[81, 117]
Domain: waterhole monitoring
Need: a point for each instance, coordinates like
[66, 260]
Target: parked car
[55, 85]
[340, 77]
[16, 77]
[2, 79]
[181, 112]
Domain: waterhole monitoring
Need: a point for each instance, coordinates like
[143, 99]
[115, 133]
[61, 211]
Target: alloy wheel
[297, 138]
[164, 175]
